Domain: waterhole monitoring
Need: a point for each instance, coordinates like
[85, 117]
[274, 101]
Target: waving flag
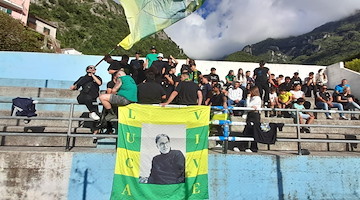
[162, 153]
[146, 17]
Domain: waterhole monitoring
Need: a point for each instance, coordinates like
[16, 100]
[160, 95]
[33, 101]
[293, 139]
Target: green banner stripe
[125, 187]
[197, 138]
[129, 137]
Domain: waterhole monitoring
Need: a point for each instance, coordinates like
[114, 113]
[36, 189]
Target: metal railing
[224, 123]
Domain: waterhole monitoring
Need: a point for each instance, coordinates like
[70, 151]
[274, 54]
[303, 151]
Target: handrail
[224, 123]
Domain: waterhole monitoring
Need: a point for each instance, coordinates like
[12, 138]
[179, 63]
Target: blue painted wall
[233, 177]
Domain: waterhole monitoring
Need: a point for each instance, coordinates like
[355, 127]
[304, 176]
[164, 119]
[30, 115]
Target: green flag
[146, 17]
[162, 153]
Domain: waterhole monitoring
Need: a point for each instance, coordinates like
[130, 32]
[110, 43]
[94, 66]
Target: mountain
[96, 26]
[330, 43]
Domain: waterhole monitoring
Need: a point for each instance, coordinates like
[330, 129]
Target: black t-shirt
[261, 74]
[110, 84]
[214, 77]
[187, 92]
[217, 99]
[296, 80]
[88, 85]
[325, 95]
[159, 66]
[150, 93]
[138, 71]
[286, 86]
[114, 65]
[206, 91]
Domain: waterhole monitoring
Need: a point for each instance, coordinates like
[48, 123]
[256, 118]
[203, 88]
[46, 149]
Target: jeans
[325, 106]
[232, 102]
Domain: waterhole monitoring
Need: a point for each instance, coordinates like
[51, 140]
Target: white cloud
[235, 23]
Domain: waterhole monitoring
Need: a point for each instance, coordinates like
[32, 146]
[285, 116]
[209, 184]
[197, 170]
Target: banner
[162, 153]
[146, 17]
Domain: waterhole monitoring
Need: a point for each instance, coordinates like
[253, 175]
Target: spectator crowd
[154, 81]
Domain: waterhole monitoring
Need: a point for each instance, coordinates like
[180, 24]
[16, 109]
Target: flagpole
[108, 53]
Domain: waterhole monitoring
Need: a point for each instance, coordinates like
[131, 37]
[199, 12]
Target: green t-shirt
[151, 57]
[128, 88]
[230, 78]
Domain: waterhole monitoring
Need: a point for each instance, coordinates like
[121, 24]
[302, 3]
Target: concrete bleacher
[56, 126]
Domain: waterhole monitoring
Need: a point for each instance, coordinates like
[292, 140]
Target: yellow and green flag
[146, 17]
[162, 153]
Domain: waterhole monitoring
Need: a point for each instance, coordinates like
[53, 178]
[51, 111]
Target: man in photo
[169, 166]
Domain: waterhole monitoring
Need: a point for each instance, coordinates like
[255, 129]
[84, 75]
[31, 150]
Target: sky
[221, 27]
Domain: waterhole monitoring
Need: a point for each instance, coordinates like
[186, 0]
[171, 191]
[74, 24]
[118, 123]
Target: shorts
[304, 116]
[118, 100]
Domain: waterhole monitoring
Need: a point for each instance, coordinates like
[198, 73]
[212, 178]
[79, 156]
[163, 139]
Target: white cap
[160, 55]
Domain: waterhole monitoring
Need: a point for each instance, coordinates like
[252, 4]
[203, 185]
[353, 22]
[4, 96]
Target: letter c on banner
[129, 163]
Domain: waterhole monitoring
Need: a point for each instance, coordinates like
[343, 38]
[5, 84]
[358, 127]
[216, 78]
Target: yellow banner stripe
[136, 115]
[127, 162]
[196, 163]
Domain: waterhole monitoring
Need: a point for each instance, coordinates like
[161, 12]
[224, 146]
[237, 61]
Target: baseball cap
[160, 55]
[153, 47]
[138, 52]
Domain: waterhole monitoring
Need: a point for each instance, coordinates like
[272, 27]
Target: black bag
[23, 107]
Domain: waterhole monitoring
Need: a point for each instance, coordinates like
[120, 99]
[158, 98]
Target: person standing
[90, 84]
[138, 68]
[151, 57]
[150, 92]
[261, 77]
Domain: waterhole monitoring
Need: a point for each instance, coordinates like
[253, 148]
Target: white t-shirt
[272, 97]
[235, 94]
[297, 94]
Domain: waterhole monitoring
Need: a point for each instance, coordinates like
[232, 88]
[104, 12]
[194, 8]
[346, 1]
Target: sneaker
[343, 118]
[248, 151]
[354, 118]
[236, 149]
[244, 116]
[307, 130]
[94, 116]
[329, 117]
[302, 130]
[219, 146]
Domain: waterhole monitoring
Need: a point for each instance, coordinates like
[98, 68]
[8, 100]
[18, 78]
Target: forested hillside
[96, 26]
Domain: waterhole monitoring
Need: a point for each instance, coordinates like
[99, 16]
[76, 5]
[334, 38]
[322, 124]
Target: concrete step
[45, 141]
[35, 92]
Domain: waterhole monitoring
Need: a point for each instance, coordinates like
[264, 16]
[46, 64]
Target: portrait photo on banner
[162, 154]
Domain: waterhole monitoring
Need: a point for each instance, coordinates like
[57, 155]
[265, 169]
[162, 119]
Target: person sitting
[229, 78]
[235, 96]
[285, 99]
[90, 84]
[340, 88]
[287, 85]
[347, 100]
[324, 100]
[150, 92]
[187, 91]
[249, 80]
[297, 93]
[299, 104]
[273, 101]
[123, 93]
[296, 79]
[241, 78]
[309, 84]
[321, 78]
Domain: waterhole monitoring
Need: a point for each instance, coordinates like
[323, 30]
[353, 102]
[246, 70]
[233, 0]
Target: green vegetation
[15, 37]
[353, 65]
[325, 45]
[96, 27]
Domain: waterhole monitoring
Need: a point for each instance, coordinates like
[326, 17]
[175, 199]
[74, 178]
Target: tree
[15, 37]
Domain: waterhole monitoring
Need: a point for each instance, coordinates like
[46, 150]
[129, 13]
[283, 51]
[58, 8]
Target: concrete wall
[87, 176]
[337, 72]
[46, 66]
